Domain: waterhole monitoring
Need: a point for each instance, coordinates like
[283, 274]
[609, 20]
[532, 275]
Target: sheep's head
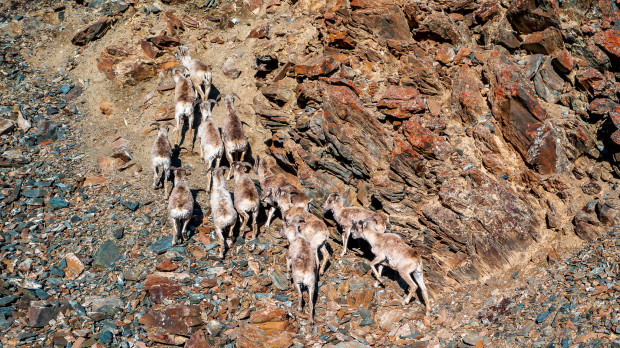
[182, 54]
[240, 168]
[333, 200]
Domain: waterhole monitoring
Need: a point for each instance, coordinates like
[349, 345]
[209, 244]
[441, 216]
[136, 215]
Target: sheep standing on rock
[199, 72]
[246, 197]
[313, 228]
[235, 141]
[180, 205]
[389, 249]
[211, 145]
[161, 155]
[222, 208]
[184, 101]
[300, 263]
[346, 216]
[269, 183]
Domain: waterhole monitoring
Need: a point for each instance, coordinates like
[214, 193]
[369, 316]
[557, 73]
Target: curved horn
[154, 124]
[235, 95]
[247, 165]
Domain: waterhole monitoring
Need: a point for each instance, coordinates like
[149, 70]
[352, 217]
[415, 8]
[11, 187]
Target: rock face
[461, 145]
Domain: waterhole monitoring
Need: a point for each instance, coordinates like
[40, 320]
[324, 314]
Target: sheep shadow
[197, 215]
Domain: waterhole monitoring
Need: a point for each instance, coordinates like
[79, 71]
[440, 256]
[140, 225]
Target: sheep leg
[209, 177]
[191, 127]
[199, 89]
[325, 255]
[175, 231]
[230, 163]
[316, 261]
[155, 177]
[244, 221]
[177, 118]
[230, 232]
[254, 224]
[301, 297]
[412, 285]
[288, 268]
[242, 155]
[419, 278]
[375, 262]
[217, 161]
[380, 270]
[166, 177]
[220, 235]
[270, 215]
[185, 227]
[345, 240]
[311, 300]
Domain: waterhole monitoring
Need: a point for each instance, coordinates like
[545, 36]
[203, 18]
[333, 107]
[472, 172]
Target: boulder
[92, 31]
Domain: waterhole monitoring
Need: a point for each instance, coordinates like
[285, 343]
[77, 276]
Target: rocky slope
[486, 131]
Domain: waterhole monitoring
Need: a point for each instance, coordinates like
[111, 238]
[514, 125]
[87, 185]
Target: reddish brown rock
[603, 106]
[595, 83]
[163, 41]
[39, 316]
[563, 61]
[401, 102]
[609, 41]
[467, 99]
[341, 39]
[353, 131]
[543, 154]
[268, 313]
[249, 335]
[124, 67]
[109, 164]
[615, 137]
[445, 54]
[422, 139]
[166, 338]
[614, 115]
[94, 180]
[167, 266]
[513, 103]
[544, 42]
[74, 266]
[181, 320]
[149, 49]
[253, 5]
[587, 225]
[6, 126]
[161, 287]
[440, 26]
[528, 16]
[417, 69]
[509, 227]
[384, 19]
[487, 11]
[198, 340]
[93, 31]
[260, 31]
[313, 67]
[173, 23]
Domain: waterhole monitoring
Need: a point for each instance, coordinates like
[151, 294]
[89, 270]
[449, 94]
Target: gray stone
[59, 202]
[162, 245]
[107, 255]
